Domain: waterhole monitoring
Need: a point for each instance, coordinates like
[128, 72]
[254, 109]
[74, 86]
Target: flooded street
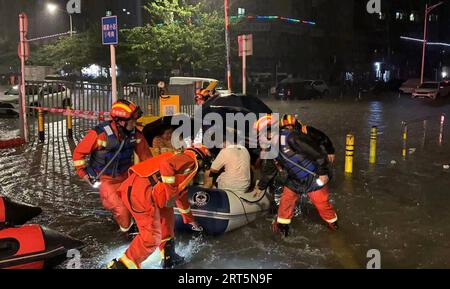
[400, 207]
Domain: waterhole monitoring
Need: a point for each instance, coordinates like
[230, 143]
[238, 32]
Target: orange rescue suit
[149, 193]
[109, 184]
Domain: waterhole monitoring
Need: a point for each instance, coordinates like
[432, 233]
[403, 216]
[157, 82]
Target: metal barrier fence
[416, 133]
[47, 101]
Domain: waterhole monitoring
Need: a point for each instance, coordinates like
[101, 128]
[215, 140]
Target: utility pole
[23, 29]
[244, 64]
[227, 43]
[428, 9]
[71, 24]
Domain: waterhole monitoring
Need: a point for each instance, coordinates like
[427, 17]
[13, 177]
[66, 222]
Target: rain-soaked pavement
[400, 207]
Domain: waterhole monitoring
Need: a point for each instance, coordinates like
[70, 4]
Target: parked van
[206, 83]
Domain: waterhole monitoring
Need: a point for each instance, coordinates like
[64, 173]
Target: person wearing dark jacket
[304, 154]
[319, 137]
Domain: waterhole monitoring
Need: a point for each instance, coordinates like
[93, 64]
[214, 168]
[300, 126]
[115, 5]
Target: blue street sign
[110, 30]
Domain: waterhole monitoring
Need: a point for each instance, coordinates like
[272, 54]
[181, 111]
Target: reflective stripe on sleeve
[283, 221]
[187, 211]
[168, 179]
[79, 163]
[332, 220]
[101, 143]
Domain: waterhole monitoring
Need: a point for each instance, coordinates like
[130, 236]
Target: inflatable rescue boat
[219, 211]
[29, 246]
[14, 214]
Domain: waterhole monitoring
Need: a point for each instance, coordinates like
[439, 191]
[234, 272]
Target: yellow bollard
[373, 145]
[424, 136]
[405, 138]
[41, 129]
[69, 123]
[349, 152]
[441, 129]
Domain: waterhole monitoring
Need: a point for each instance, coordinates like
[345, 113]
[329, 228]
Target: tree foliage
[81, 50]
[184, 37]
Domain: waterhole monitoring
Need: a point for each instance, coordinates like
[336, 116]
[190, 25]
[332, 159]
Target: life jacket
[2, 213]
[150, 169]
[292, 161]
[100, 158]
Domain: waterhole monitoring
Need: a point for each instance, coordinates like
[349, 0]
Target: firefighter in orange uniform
[111, 147]
[151, 191]
[306, 163]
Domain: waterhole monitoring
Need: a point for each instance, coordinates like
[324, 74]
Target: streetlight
[51, 8]
[428, 9]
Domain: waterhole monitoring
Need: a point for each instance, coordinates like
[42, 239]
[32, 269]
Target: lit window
[412, 17]
[433, 18]
[399, 15]
[381, 16]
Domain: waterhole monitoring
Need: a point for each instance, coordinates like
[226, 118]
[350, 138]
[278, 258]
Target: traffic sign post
[23, 52]
[110, 36]
[245, 49]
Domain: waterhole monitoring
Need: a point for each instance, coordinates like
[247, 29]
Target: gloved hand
[280, 228]
[196, 227]
[331, 158]
[92, 181]
[333, 226]
[87, 179]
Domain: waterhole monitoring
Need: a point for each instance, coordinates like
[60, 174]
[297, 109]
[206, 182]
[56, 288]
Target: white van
[206, 83]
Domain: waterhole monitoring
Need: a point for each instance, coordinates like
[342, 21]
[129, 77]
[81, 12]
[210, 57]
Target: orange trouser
[147, 216]
[319, 198]
[111, 200]
[168, 218]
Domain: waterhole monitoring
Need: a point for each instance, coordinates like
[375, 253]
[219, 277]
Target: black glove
[280, 228]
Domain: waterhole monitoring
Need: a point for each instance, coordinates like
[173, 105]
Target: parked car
[298, 88]
[432, 90]
[50, 94]
[409, 86]
[290, 89]
[320, 86]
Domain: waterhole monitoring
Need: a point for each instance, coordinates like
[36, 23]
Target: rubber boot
[170, 258]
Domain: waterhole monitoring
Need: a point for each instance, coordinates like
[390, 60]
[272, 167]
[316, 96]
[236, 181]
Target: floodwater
[399, 207]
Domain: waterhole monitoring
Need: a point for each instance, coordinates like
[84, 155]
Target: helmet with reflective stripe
[125, 110]
[202, 154]
[288, 120]
[202, 92]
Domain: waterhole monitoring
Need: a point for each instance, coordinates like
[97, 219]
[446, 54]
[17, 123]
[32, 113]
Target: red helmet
[202, 154]
[125, 110]
[287, 120]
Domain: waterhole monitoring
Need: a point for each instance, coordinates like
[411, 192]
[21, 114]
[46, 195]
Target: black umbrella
[234, 103]
[157, 127]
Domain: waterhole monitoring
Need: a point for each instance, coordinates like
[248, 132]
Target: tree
[181, 36]
[79, 51]
[185, 37]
